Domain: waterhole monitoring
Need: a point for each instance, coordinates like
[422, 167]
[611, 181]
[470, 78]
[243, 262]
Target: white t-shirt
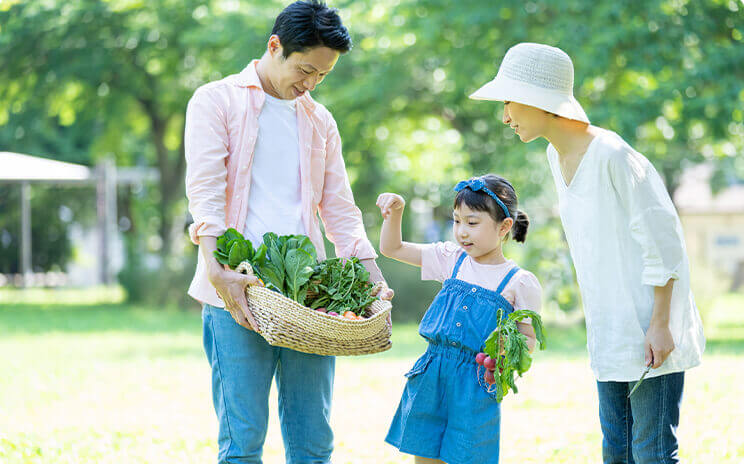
[625, 238]
[523, 290]
[275, 201]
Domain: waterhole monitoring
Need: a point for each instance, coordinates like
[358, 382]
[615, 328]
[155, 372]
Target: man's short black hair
[310, 23]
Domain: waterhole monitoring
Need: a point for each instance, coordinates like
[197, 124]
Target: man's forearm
[375, 274]
[207, 247]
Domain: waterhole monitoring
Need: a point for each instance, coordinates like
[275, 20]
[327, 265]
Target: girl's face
[528, 122]
[478, 234]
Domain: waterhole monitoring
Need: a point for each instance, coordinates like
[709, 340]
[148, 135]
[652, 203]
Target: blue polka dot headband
[476, 184]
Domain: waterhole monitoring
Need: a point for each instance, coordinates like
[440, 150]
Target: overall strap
[457, 266]
[507, 278]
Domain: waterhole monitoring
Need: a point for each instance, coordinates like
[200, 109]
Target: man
[263, 156]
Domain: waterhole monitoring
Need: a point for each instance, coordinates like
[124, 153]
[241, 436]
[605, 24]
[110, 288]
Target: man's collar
[248, 77]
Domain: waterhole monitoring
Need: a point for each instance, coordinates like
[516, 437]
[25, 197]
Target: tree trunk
[171, 175]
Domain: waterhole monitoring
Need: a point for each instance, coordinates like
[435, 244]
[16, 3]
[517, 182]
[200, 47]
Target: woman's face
[528, 122]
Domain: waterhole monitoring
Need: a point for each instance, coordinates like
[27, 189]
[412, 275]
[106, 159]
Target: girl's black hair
[310, 23]
[481, 201]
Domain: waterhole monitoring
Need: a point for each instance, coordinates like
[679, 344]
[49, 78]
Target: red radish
[489, 363]
[332, 313]
[490, 378]
[321, 309]
[480, 357]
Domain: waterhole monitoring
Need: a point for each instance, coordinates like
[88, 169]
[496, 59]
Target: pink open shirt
[220, 137]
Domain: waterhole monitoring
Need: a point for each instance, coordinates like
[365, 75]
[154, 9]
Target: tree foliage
[111, 78]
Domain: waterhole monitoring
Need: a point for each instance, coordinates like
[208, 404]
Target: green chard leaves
[340, 286]
[288, 264]
[516, 358]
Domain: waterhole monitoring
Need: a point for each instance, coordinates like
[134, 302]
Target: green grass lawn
[122, 384]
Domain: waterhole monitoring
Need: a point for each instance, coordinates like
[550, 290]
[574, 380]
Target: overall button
[454, 343]
[475, 289]
[458, 324]
[465, 308]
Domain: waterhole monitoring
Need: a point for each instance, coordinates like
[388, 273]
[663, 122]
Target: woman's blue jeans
[243, 366]
[641, 429]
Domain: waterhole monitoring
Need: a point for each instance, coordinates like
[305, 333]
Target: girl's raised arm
[391, 243]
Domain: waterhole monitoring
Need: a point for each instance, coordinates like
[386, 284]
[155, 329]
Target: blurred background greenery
[90, 80]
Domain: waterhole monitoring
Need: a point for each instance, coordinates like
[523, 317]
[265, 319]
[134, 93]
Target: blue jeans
[641, 429]
[243, 366]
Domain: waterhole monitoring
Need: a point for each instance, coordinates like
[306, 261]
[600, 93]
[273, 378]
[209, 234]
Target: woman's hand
[390, 203]
[659, 344]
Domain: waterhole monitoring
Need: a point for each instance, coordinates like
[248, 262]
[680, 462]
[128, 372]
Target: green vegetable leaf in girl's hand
[516, 357]
[536, 322]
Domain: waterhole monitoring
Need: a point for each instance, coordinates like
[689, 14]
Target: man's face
[289, 78]
[528, 122]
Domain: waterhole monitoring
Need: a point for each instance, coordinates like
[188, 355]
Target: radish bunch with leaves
[506, 352]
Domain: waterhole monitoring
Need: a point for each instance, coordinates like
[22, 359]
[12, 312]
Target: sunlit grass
[124, 384]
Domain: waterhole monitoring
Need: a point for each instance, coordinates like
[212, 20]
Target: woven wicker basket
[284, 322]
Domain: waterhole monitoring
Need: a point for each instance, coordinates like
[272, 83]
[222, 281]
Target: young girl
[445, 415]
[628, 249]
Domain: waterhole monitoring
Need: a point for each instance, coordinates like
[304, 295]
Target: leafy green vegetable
[289, 265]
[233, 249]
[516, 358]
[339, 286]
[298, 267]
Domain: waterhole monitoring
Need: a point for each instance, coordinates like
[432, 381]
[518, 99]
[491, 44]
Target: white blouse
[625, 238]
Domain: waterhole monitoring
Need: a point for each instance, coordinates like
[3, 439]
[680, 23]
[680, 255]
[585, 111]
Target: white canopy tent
[26, 170]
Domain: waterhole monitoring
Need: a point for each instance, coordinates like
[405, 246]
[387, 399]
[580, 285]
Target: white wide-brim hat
[536, 75]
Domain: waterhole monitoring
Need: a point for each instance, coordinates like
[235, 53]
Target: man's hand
[659, 343]
[230, 286]
[383, 291]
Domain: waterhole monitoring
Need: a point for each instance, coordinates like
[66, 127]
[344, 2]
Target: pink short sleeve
[524, 292]
[438, 260]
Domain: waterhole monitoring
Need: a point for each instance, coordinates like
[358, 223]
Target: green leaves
[298, 268]
[287, 277]
[341, 286]
[516, 358]
[241, 250]
[233, 249]
[288, 264]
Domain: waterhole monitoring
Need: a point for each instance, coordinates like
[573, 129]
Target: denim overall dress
[444, 412]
